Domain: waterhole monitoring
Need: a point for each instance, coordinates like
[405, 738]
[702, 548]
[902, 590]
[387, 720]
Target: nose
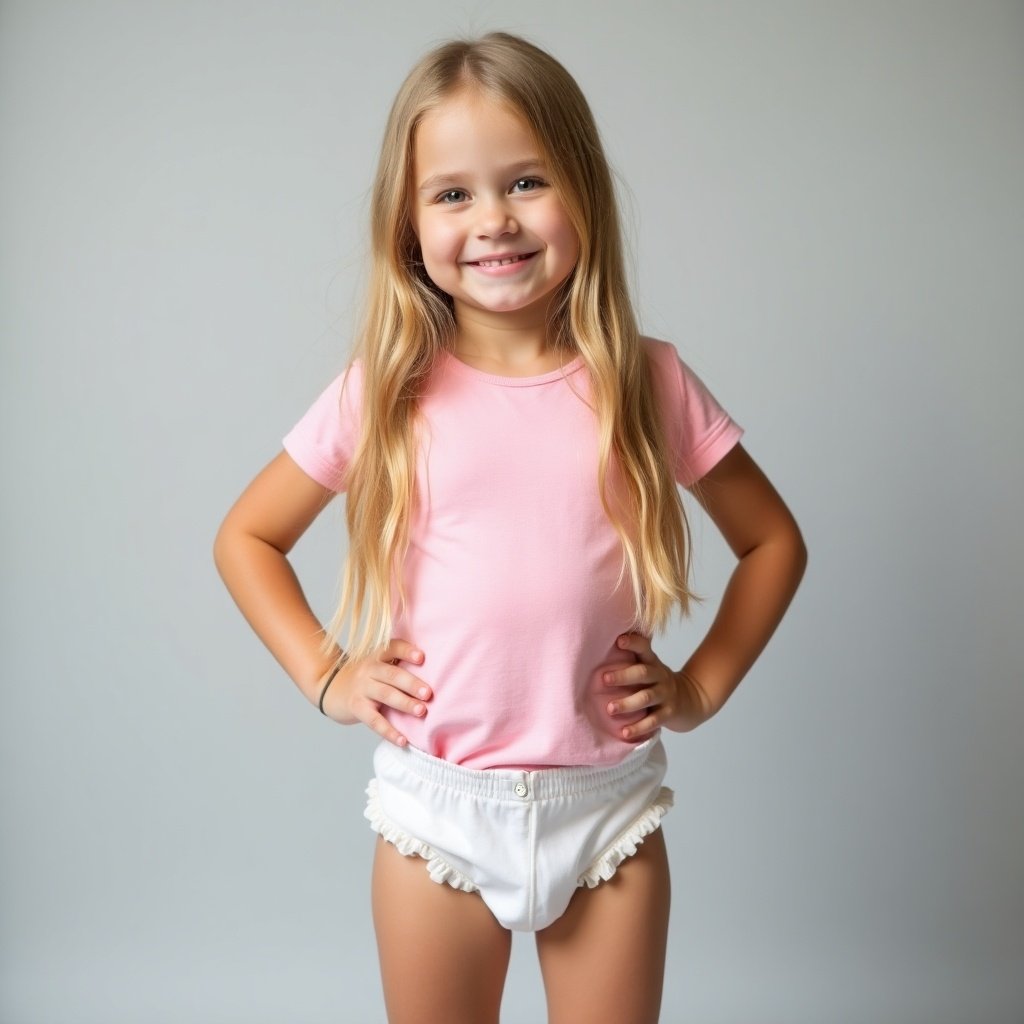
[494, 218]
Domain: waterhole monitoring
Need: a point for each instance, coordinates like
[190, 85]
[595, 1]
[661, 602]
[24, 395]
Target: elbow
[784, 545]
[218, 550]
[221, 547]
[798, 552]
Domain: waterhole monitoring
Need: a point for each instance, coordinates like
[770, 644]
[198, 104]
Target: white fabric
[525, 840]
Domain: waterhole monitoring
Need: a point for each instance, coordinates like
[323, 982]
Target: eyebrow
[437, 181]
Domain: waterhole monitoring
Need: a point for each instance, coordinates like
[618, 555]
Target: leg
[443, 956]
[603, 960]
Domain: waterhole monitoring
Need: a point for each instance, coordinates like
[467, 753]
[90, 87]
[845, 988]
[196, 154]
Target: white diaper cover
[525, 840]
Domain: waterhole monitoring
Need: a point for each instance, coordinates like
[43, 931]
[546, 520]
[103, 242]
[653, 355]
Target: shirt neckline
[465, 370]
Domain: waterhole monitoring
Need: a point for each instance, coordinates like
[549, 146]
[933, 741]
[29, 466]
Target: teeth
[501, 263]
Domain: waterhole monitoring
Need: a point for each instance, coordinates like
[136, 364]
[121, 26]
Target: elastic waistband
[541, 784]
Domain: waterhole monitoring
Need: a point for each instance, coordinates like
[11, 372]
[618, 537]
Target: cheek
[562, 235]
[568, 245]
[439, 242]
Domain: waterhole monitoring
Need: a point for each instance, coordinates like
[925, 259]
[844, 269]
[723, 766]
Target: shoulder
[665, 366]
[343, 395]
[324, 438]
[658, 352]
[350, 379]
[673, 374]
[702, 429]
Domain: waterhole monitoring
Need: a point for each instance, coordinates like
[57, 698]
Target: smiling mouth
[504, 262]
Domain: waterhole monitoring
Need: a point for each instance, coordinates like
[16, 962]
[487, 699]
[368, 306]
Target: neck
[516, 341]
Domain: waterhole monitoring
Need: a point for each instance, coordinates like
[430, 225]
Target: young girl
[510, 448]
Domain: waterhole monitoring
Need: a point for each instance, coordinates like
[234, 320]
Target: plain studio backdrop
[825, 209]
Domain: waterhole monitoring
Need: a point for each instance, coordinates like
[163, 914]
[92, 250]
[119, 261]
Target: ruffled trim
[626, 845]
[440, 870]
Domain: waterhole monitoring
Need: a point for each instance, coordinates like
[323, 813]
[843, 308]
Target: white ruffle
[440, 870]
[625, 846]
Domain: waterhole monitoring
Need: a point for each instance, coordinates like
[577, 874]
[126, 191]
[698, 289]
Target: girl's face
[493, 233]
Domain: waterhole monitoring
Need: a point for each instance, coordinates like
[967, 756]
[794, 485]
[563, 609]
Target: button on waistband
[520, 789]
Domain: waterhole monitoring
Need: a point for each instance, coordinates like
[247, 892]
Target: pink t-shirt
[512, 562]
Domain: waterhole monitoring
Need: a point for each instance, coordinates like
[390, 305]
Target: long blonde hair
[409, 324]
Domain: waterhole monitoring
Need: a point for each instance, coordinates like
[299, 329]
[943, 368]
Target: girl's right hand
[361, 687]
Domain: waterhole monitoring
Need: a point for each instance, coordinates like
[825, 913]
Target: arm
[250, 553]
[762, 533]
[764, 536]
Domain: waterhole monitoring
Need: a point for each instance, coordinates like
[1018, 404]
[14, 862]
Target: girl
[510, 448]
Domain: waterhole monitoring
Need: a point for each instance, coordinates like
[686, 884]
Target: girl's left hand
[672, 699]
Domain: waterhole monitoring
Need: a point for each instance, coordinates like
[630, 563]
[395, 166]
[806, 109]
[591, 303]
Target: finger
[628, 675]
[403, 679]
[641, 728]
[648, 697]
[639, 644]
[379, 724]
[385, 693]
[402, 650]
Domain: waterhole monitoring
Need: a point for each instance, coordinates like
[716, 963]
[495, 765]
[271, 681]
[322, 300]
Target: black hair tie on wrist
[323, 692]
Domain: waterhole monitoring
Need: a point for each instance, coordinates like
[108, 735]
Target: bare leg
[603, 960]
[443, 956]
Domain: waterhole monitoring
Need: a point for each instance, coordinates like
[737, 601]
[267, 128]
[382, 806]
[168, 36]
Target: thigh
[443, 956]
[603, 960]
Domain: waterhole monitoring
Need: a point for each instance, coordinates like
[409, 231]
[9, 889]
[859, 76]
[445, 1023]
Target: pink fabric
[512, 562]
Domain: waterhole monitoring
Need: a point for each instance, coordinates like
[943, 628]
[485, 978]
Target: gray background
[825, 204]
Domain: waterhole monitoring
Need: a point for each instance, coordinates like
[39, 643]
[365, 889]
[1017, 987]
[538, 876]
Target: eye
[527, 185]
[453, 195]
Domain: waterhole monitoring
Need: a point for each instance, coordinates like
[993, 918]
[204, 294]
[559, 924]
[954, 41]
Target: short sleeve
[701, 431]
[324, 440]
